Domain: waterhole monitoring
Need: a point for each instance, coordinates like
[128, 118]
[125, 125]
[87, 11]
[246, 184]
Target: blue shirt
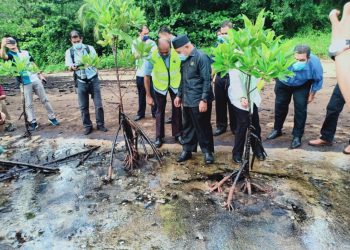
[313, 71]
[149, 68]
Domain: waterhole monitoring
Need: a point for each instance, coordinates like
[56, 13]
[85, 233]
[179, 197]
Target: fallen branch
[32, 166]
[87, 156]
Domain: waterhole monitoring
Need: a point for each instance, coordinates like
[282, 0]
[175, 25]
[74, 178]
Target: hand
[149, 100]
[42, 78]
[177, 102]
[244, 102]
[73, 68]
[3, 42]
[340, 29]
[311, 98]
[203, 106]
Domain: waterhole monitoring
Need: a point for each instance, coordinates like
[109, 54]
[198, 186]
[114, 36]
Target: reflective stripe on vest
[160, 73]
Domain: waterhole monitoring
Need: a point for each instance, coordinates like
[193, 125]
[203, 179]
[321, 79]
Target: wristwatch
[336, 48]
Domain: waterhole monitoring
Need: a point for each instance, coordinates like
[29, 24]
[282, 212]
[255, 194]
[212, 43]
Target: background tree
[256, 52]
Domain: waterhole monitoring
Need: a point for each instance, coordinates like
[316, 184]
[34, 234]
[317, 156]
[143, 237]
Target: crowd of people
[177, 67]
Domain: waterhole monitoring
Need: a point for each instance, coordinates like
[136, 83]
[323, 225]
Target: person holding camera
[86, 82]
[30, 82]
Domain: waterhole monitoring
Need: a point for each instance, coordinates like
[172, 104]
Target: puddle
[169, 207]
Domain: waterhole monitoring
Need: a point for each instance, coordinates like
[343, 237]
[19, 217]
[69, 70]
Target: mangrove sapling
[256, 53]
[112, 21]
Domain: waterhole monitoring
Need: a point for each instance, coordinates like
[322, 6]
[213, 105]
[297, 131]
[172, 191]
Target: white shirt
[237, 89]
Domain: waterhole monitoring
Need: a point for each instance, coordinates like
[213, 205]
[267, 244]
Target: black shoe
[184, 156]
[296, 143]
[274, 134]
[138, 117]
[260, 156]
[88, 130]
[102, 128]
[219, 131]
[168, 121]
[209, 158]
[179, 140]
[158, 143]
[237, 159]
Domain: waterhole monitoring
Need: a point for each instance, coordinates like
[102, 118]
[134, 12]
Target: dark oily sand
[169, 207]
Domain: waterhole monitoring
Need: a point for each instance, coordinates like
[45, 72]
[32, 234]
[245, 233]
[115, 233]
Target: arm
[3, 54]
[341, 31]
[318, 78]
[177, 101]
[205, 73]
[2, 97]
[68, 61]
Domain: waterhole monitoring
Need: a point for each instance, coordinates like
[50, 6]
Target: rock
[161, 201]
[199, 236]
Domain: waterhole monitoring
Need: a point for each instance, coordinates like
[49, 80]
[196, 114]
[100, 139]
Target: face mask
[78, 46]
[145, 38]
[183, 57]
[298, 66]
[221, 39]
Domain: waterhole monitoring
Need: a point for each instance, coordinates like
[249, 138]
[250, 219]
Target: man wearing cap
[164, 68]
[30, 82]
[308, 79]
[86, 81]
[195, 95]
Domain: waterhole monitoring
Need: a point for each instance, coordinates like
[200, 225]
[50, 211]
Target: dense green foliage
[43, 25]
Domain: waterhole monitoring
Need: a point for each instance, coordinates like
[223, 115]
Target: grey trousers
[86, 88]
[38, 88]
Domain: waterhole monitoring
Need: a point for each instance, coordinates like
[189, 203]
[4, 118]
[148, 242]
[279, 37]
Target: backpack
[87, 48]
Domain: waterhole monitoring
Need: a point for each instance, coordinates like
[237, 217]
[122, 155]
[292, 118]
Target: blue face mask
[298, 66]
[145, 38]
[221, 39]
[78, 46]
[183, 57]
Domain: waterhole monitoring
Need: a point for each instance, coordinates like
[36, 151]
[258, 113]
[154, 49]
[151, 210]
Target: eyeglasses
[74, 37]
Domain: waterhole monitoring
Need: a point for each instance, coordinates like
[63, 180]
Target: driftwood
[71, 156]
[11, 164]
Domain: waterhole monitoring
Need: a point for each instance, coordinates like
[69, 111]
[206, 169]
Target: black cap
[180, 41]
[11, 40]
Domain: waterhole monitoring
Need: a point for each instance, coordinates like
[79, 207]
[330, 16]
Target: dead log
[11, 164]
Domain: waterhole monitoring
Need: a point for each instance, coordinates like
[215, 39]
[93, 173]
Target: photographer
[86, 81]
[30, 82]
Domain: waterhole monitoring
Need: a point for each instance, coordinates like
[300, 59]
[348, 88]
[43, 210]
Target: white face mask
[78, 45]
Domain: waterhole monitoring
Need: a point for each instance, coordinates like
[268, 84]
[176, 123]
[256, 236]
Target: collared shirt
[87, 73]
[149, 69]
[26, 77]
[195, 80]
[313, 72]
[237, 89]
[141, 66]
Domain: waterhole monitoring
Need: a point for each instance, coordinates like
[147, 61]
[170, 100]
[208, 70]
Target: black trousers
[334, 108]
[176, 115]
[142, 97]
[222, 103]
[242, 120]
[197, 129]
[284, 95]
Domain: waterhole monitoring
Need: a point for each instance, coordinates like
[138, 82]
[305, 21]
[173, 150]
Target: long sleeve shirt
[313, 72]
[195, 80]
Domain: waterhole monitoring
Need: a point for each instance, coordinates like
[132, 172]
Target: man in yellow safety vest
[164, 68]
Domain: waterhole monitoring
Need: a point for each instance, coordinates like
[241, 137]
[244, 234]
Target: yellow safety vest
[163, 77]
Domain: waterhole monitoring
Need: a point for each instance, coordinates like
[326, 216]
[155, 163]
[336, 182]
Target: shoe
[88, 130]
[179, 140]
[319, 143]
[9, 128]
[138, 117]
[168, 121]
[296, 143]
[184, 156]
[102, 128]
[274, 134]
[260, 156]
[219, 131]
[33, 126]
[208, 158]
[237, 159]
[54, 122]
[158, 143]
